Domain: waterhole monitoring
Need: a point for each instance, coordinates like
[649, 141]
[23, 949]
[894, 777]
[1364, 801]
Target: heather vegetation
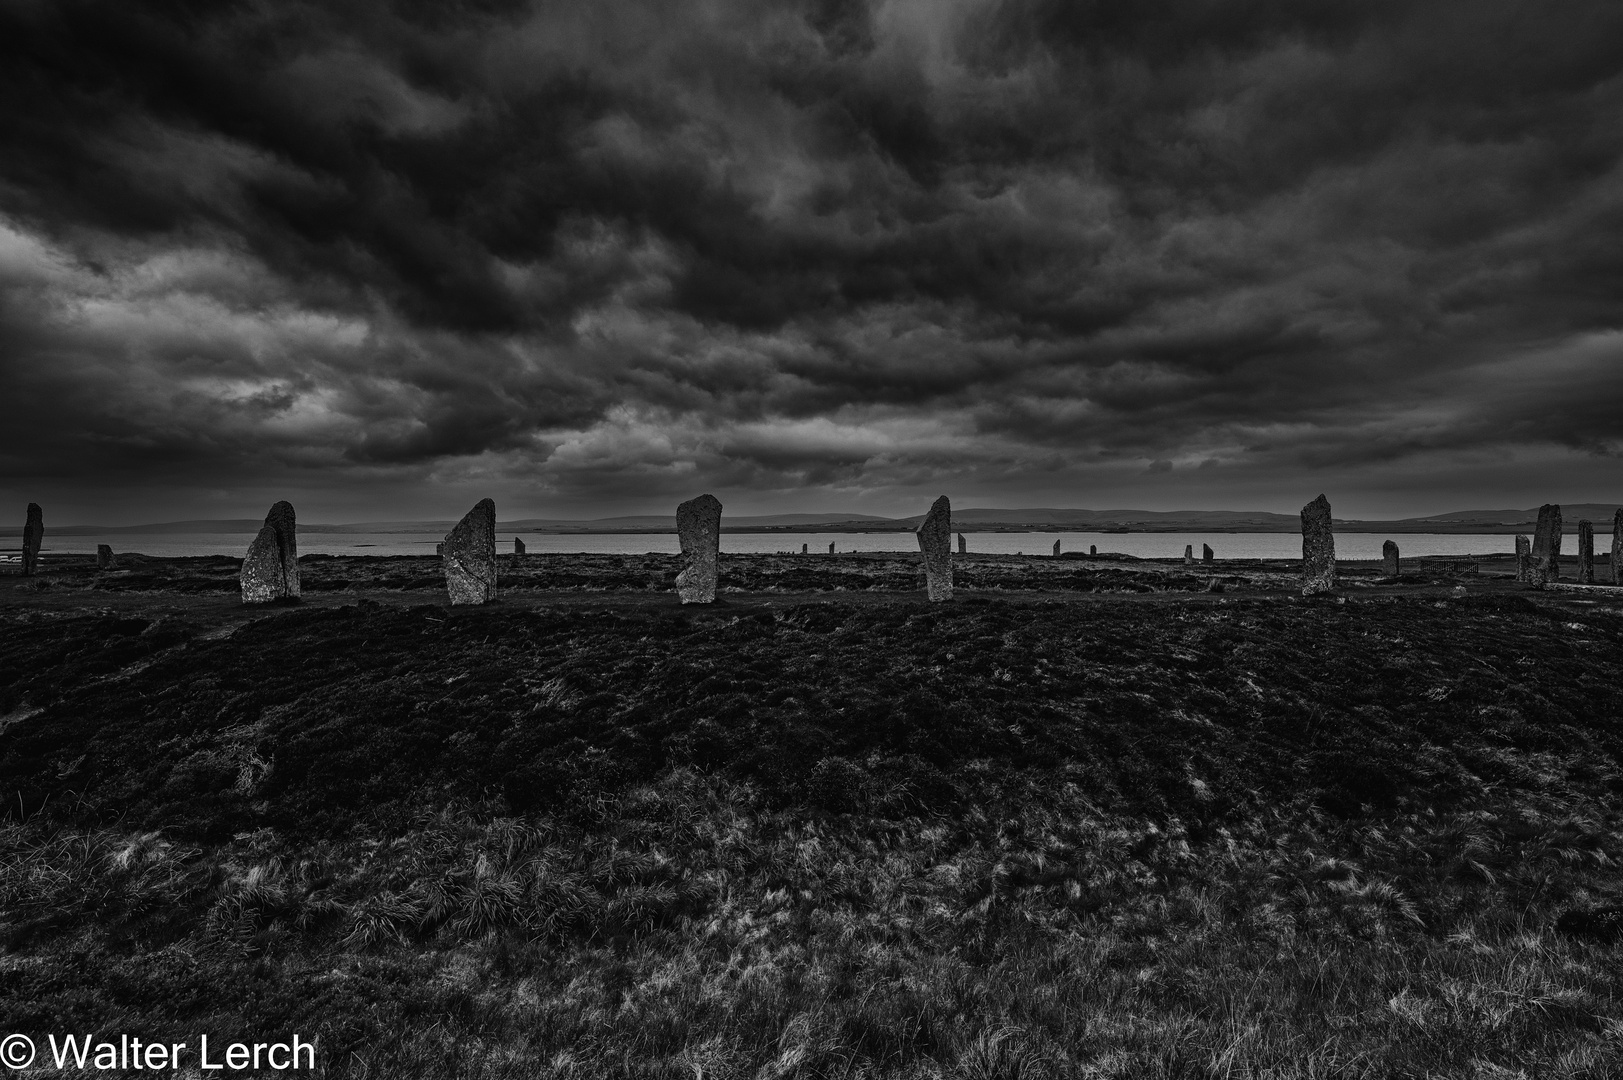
[1085, 834]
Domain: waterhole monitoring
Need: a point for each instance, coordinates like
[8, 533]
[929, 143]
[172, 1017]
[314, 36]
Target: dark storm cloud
[619, 246]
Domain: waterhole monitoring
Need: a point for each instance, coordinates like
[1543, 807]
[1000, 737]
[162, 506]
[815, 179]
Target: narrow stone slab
[1056, 547]
[1617, 548]
[1093, 549]
[698, 528]
[1206, 553]
[518, 546]
[963, 545]
[470, 556]
[1189, 554]
[1546, 547]
[831, 547]
[1524, 558]
[270, 571]
[1318, 548]
[33, 536]
[1586, 553]
[935, 540]
[805, 549]
[1389, 555]
[104, 557]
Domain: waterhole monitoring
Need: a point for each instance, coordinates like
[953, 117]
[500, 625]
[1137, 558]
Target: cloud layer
[598, 256]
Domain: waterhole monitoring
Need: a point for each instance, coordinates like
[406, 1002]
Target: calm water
[1144, 545]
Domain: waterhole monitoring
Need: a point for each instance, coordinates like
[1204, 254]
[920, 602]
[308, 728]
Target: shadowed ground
[1088, 819]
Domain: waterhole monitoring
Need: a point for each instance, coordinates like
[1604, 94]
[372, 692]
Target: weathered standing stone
[271, 569]
[518, 546]
[805, 549]
[1056, 547]
[698, 528]
[1189, 554]
[470, 556]
[831, 547]
[33, 536]
[935, 540]
[104, 557]
[1586, 553]
[1206, 554]
[1524, 559]
[1546, 546]
[1617, 548]
[1389, 555]
[1093, 549]
[963, 545]
[1318, 548]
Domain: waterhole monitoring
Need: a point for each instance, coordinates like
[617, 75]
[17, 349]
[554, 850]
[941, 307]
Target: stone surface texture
[470, 556]
[1318, 548]
[698, 529]
[935, 540]
[1546, 546]
[271, 569]
[1586, 553]
[104, 557]
[33, 536]
[1389, 556]
[1524, 558]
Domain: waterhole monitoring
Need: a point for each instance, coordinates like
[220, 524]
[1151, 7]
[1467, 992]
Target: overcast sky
[596, 257]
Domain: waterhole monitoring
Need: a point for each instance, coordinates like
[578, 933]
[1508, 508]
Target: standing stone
[1586, 553]
[1524, 559]
[33, 536]
[831, 547]
[935, 540]
[963, 545]
[1206, 554]
[1617, 548]
[805, 548]
[1056, 548]
[1093, 549]
[1318, 548]
[104, 557]
[271, 569]
[518, 546]
[1546, 546]
[1189, 554]
[470, 556]
[1389, 554]
[698, 527]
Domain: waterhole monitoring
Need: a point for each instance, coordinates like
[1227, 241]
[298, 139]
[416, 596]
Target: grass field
[1087, 820]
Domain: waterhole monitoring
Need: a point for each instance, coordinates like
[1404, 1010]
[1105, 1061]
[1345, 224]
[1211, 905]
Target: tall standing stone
[518, 546]
[963, 545]
[33, 536]
[1318, 548]
[470, 556]
[1547, 546]
[1206, 553]
[805, 548]
[831, 547]
[270, 571]
[104, 557]
[1189, 554]
[1524, 558]
[1586, 553]
[1093, 549]
[1617, 548]
[698, 528]
[1056, 548]
[935, 540]
[1389, 555]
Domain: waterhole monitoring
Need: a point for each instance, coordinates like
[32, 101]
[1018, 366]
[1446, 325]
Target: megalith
[518, 546]
[963, 545]
[1389, 556]
[33, 536]
[1547, 546]
[104, 557]
[270, 571]
[1617, 548]
[470, 556]
[1056, 548]
[1206, 554]
[1093, 549]
[831, 547]
[935, 540]
[1524, 558]
[698, 529]
[1318, 548]
[1189, 554]
[1586, 553]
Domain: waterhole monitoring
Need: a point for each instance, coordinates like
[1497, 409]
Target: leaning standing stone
[1586, 553]
[33, 536]
[104, 557]
[1389, 554]
[935, 540]
[698, 528]
[1318, 548]
[470, 556]
[271, 569]
[1206, 553]
[1546, 546]
[963, 545]
[1524, 559]
[1056, 548]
